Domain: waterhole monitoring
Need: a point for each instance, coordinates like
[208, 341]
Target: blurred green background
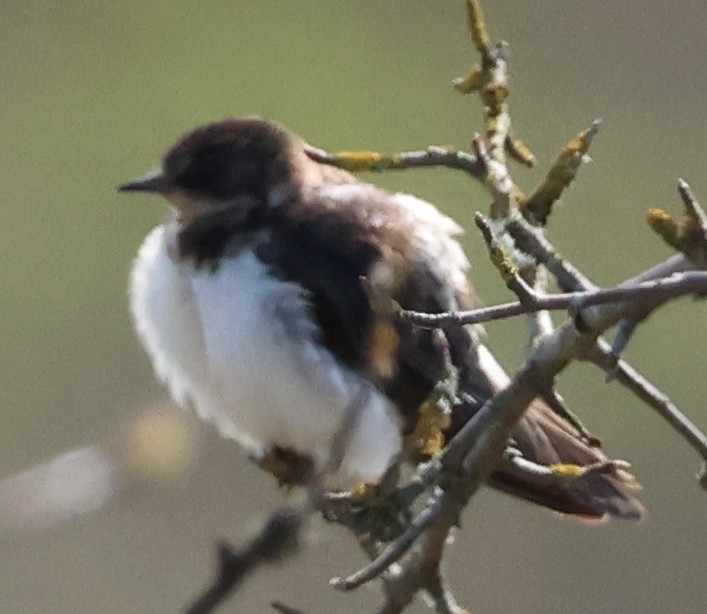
[92, 93]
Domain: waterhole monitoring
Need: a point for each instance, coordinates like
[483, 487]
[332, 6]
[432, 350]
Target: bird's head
[230, 162]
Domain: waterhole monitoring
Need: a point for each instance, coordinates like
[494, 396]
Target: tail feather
[543, 438]
[596, 497]
[547, 439]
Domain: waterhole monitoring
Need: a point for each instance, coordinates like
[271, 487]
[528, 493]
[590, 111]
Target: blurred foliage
[93, 93]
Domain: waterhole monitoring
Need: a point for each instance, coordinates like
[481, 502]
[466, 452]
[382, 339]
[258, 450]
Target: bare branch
[395, 550]
[501, 260]
[490, 79]
[421, 570]
[653, 291]
[434, 155]
[532, 241]
[630, 378]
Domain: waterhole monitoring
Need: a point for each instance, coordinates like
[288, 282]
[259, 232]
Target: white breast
[239, 345]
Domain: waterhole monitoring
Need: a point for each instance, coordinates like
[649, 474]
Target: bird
[267, 299]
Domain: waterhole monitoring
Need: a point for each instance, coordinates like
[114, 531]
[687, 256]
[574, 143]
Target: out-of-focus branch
[278, 539]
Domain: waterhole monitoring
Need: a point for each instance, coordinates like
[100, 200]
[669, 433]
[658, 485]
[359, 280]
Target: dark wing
[330, 243]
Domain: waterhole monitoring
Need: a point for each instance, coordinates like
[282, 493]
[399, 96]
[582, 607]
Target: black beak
[154, 181]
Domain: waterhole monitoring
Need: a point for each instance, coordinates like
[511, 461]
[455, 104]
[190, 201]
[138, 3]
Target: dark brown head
[235, 160]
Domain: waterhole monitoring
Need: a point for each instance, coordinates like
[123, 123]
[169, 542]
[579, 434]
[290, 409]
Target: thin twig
[503, 263]
[627, 376]
[421, 570]
[694, 282]
[693, 208]
[531, 240]
[395, 549]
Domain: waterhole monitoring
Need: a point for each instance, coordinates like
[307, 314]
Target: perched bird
[265, 302]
